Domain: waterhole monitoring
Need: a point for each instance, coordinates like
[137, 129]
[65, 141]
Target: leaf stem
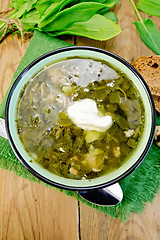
[136, 10]
[16, 14]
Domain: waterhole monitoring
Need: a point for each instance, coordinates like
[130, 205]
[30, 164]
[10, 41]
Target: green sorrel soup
[80, 118]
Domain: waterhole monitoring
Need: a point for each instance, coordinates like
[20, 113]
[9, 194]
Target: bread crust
[149, 68]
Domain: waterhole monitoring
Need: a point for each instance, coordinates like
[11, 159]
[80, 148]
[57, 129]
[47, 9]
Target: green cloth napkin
[139, 187]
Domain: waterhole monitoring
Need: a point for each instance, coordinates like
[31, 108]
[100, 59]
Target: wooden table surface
[31, 211]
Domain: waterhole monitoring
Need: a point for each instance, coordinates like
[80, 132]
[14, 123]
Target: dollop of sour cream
[84, 113]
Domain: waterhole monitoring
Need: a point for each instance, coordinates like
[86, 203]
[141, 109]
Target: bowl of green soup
[80, 118]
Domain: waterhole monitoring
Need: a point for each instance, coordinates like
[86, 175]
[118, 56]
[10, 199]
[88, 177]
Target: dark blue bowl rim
[98, 186]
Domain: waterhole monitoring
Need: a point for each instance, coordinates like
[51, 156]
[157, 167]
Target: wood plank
[25, 206]
[29, 210]
[3, 5]
[95, 225]
[127, 44]
[11, 53]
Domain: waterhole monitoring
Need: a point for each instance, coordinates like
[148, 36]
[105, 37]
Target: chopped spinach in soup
[80, 118]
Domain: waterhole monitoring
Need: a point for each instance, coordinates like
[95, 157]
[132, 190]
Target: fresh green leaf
[66, 2]
[149, 34]
[17, 4]
[151, 7]
[97, 27]
[99, 1]
[48, 15]
[77, 13]
[42, 6]
[22, 8]
[114, 2]
[57, 17]
[28, 5]
[110, 4]
[111, 16]
[31, 20]
[52, 10]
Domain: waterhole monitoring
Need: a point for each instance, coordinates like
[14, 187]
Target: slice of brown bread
[149, 68]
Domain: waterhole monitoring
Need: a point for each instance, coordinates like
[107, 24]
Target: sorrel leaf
[149, 34]
[111, 16]
[57, 17]
[77, 13]
[151, 7]
[97, 27]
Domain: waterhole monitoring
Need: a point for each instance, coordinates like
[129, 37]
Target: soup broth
[80, 118]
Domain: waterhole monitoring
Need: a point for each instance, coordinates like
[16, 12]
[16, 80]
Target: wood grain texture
[127, 44]
[3, 5]
[31, 211]
[95, 225]
[11, 53]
